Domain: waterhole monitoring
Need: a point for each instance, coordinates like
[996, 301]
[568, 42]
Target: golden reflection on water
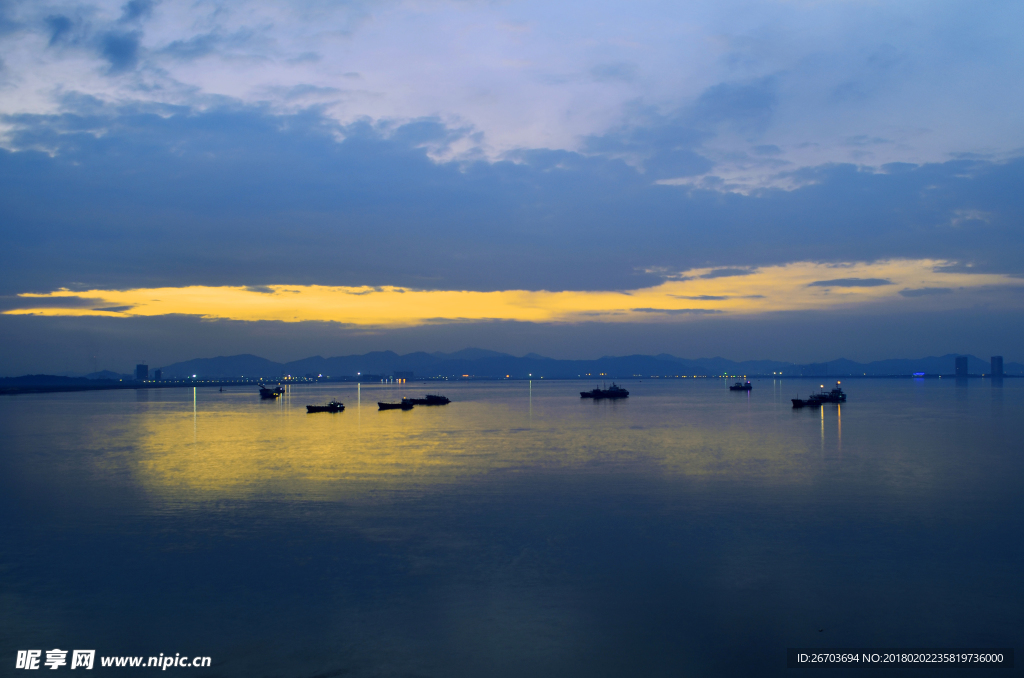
[241, 448]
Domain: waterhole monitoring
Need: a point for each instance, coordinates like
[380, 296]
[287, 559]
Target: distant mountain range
[476, 362]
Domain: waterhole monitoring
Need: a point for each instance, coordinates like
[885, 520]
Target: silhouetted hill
[471, 354]
[482, 363]
[245, 365]
[51, 381]
[107, 375]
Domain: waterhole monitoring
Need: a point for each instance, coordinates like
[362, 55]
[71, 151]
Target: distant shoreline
[28, 388]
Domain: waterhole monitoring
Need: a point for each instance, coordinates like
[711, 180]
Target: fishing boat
[333, 406]
[428, 399]
[271, 393]
[404, 405]
[740, 386]
[613, 392]
[836, 395]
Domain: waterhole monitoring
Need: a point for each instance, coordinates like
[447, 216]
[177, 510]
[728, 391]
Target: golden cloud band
[698, 292]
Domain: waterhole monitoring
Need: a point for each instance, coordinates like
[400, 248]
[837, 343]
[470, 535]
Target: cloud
[676, 311]
[728, 272]
[767, 149]
[137, 9]
[159, 195]
[700, 297]
[121, 50]
[216, 43]
[769, 290]
[925, 291]
[744, 107]
[13, 302]
[962, 217]
[254, 145]
[194, 47]
[850, 282]
[611, 72]
[60, 26]
[112, 309]
[741, 100]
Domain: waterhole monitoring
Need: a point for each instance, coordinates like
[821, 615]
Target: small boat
[333, 406]
[836, 395]
[404, 405]
[428, 400]
[270, 393]
[740, 386]
[613, 392]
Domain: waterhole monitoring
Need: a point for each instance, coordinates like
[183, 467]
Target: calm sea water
[519, 531]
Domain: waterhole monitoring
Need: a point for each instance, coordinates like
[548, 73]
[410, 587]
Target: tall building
[997, 366]
[157, 374]
[961, 367]
[141, 372]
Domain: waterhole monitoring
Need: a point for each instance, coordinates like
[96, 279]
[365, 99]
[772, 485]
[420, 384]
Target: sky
[183, 179]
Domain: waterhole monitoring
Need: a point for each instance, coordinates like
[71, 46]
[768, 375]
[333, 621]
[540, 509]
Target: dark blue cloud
[767, 149]
[668, 146]
[113, 309]
[850, 282]
[701, 297]
[8, 24]
[14, 302]
[728, 272]
[195, 47]
[610, 72]
[60, 27]
[238, 196]
[134, 10]
[677, 311]
[746, 107]
[208, 43]
[925, 291]
[120, 49]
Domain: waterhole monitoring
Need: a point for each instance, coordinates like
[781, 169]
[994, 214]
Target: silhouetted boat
[404, 405]
[598, 393]
[740, 386]
[269, 393]
[836, 395]
[333, 406]
[428, 399]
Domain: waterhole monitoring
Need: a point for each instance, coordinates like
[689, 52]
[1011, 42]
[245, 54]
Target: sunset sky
[184, 179]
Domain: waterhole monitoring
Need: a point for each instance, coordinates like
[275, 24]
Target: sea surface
[518, 531]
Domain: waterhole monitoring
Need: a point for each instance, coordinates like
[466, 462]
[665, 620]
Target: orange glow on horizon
[695, 293]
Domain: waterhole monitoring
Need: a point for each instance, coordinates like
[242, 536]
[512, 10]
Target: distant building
[403, 375]
[997, 366]
[157, 375]
[961, 367]
[141, 372]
